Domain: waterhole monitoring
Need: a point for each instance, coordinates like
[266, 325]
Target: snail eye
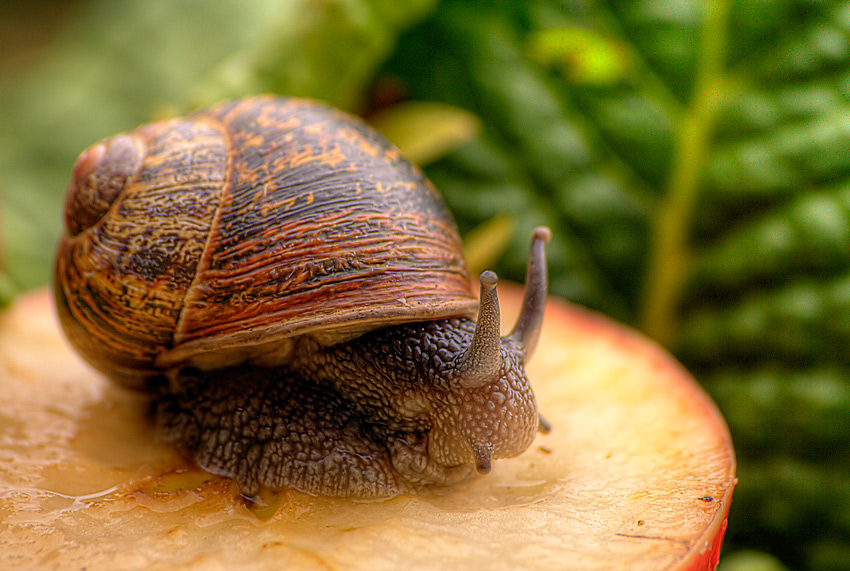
[100, 174]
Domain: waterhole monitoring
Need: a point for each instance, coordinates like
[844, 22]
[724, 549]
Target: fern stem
[670, 254]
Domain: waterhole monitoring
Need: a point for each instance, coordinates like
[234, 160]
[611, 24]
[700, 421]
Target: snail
[292, 293]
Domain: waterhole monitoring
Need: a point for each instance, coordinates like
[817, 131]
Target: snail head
[491, 411]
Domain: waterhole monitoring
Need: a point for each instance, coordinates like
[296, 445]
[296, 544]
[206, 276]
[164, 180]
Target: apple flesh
[637, 473]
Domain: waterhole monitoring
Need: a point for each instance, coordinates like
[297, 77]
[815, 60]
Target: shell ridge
[301, 181]
[203, 261]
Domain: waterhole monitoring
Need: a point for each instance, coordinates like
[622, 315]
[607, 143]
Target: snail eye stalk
[482, 359]
[528, 324]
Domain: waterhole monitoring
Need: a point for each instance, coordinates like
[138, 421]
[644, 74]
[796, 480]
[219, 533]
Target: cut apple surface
[637, 473]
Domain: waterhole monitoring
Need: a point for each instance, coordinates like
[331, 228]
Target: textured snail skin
[293, 295]
[376, 416]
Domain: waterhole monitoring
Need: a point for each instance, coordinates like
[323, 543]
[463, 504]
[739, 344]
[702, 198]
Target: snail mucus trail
[292, 293]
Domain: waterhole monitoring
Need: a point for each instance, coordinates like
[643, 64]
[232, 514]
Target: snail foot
[270, 430]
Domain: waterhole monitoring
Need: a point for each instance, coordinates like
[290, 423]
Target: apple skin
[570, 330]
[637, 473]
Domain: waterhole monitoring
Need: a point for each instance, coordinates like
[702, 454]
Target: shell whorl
[253, 221]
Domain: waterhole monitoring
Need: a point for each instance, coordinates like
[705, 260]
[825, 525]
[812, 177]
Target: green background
[691, 157]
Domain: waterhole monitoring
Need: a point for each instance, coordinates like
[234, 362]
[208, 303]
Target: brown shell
[245, 224]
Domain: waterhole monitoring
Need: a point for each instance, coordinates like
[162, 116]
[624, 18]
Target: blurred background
[692, 159]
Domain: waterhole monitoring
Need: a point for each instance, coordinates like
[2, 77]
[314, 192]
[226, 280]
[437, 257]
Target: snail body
[293, 293]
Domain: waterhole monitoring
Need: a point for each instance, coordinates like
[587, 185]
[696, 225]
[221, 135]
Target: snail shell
[214, 238]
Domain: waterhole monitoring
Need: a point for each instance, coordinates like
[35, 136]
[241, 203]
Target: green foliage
[750, 561]
[692, 159]
[695, 167]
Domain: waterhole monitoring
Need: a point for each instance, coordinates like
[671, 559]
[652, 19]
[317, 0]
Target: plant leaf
[697, 187]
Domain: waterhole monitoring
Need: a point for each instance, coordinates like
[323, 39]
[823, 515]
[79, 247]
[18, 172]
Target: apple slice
[637, 473]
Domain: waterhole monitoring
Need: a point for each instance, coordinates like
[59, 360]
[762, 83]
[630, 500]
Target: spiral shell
[221, 236]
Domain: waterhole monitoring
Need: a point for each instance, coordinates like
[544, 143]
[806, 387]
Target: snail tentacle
[482, 359]
[483, 457]
[528, 324]
[543, 425]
